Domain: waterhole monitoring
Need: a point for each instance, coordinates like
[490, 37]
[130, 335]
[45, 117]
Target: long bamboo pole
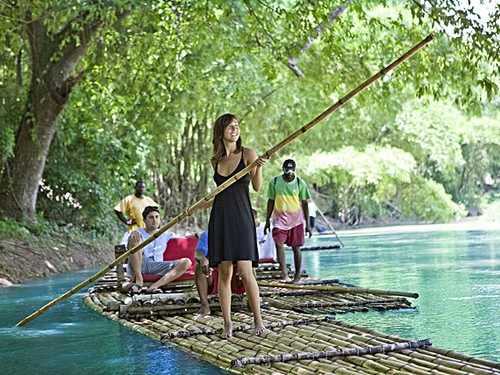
[330, 225]
[344, 352]
[232, 180]
[338, 289]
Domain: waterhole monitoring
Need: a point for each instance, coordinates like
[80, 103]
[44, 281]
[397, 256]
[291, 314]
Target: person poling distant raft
[234, 178]
[329, 225]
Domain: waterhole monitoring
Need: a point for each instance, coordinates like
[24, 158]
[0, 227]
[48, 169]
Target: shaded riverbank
[37, 256]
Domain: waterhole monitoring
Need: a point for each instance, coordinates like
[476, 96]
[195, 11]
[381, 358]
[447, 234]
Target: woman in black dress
[231, 230]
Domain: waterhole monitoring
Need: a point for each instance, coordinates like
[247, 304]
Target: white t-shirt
[267, 248]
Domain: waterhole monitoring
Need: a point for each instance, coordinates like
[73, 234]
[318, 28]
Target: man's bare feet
[204, 310]
[132, 288]
[227, 332]
[296, 280]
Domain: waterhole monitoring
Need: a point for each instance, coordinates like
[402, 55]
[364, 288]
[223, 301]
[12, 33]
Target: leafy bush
[492, 212]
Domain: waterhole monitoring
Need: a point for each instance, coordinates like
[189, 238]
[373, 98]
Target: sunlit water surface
[455, 272]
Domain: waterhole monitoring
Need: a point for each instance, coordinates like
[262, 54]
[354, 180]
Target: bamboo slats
[339, 289]
[294, 342]
[303, 333]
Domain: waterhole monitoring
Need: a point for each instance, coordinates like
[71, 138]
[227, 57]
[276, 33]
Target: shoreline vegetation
[38, 253]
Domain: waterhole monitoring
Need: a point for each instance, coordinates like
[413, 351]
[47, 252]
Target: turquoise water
[72, 339]
[455, 272]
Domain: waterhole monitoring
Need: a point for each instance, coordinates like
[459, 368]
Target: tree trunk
[53, 61]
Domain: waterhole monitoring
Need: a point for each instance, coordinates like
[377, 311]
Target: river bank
[38, 257]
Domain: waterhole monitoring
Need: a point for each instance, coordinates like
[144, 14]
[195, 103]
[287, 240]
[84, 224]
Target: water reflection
[70, 338]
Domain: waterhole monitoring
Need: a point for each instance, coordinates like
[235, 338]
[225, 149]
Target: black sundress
[231, 229]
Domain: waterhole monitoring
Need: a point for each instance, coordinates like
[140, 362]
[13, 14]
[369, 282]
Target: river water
[454, 269]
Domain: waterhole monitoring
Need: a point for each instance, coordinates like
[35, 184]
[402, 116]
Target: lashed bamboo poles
[347, 303]
[279, 324]
[232, 180]
[339, 289]
[306, 338]
[332, 353]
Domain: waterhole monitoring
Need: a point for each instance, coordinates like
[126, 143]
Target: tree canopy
[96, 95]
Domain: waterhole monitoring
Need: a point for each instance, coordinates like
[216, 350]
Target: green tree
[55, 38]
[157, 75]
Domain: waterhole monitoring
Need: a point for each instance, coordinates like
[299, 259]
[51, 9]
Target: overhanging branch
[292, 61]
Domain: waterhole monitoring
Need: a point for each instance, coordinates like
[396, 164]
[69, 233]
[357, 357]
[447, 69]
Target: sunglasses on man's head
[150, 209]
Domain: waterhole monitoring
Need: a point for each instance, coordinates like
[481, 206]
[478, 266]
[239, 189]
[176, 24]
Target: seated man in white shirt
[149, 260]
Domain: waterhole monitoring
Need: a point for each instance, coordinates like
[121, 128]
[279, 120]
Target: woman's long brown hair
[219, 151]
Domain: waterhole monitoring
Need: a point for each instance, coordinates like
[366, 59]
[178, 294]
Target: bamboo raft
[317, 247]
[303, 333]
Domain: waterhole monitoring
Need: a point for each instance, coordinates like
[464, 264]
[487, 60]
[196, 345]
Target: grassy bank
[43, 249]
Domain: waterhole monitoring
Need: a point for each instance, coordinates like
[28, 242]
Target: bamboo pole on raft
[339, 289]
[330, 225]
[235, 178]
[329, 354]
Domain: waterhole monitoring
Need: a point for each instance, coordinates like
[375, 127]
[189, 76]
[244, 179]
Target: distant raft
[317, 247]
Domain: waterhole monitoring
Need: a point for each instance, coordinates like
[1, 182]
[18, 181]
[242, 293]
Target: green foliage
[155, 82]
[492, 212]
[379, 182]
[432, 133]
[426, 200]
[10, 228]
[51, 232]
[25, 230]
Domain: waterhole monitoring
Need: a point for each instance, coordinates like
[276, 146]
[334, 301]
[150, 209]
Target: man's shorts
[150, 267]
[237, 286]
[291, 237]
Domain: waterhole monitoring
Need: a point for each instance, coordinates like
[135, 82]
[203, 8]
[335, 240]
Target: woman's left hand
[261, 161]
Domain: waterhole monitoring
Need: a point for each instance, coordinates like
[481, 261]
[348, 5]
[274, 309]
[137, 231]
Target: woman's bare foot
[227, 332]
[286, 280]
[259, 330]
[204, 310]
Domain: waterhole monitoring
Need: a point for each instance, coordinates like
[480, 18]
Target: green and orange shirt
[287, 198]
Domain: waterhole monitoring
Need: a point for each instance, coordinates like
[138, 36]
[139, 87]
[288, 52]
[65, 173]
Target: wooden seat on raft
[177, 248]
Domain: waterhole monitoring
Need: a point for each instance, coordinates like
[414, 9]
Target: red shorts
[237, 286]
[292, 237]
